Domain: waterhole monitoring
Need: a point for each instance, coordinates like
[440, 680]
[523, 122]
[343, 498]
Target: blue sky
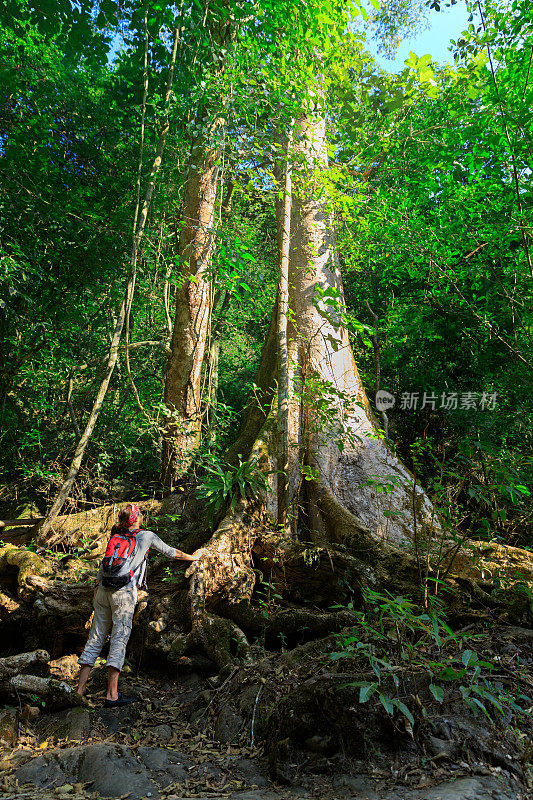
[443, 25]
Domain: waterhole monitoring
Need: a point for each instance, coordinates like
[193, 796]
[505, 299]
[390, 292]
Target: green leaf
[386, 702]
[366, 691]
[473, 702]
[437, 692]
[405, 711]
[468, 657]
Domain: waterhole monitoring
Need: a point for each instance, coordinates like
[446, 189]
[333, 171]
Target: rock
[15, 758]
[227, 726]
[112, 720]
[162, 733]
[168, 765]
[108, 719]
[470, 789]
[9, 726]
[51, 769]
[442, 728]
[74, 725]
[248, 699]
[441, 748]
[248, 769]
[209, 771]
[65, 668]
[112, 769]
[359, 786]
[115, 771]
[473, 737]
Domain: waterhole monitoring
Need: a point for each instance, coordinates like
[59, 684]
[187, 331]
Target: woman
[114, 607]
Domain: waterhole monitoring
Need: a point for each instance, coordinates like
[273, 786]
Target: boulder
[112, 768]
[247, 769]
[358, 786]
[73, 725]
[167, 766]
[162, 733]
[471, 789]
[111, 720]
[228, 726]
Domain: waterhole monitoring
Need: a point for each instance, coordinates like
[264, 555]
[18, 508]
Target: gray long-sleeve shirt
[144, 541]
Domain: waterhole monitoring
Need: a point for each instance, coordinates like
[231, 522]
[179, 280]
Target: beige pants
[113, 613]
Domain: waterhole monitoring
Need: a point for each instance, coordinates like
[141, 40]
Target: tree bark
[56, 694]
[28, 673]
[332, 435]
[193, 298]
[191, 322]
[283, 352]
[358, 497]
[36, 662]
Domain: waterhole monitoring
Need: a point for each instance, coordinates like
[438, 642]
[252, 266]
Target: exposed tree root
[56, 694]
[322, 707]
[289, 621]
[69, 603]
[300, 581]
[218, 637]
[224, 574]
[36, 663]
[27, 564]
[28, 673]
[90, 529]
[225, 611]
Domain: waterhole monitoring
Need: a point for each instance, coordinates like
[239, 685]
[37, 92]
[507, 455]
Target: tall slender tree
[193, 298]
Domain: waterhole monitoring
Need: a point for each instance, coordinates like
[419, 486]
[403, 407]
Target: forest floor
[289, 725]
[169, 745]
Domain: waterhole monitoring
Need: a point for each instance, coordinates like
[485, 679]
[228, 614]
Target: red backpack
[118, 557]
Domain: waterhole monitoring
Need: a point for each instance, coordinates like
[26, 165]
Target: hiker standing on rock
[122, 571]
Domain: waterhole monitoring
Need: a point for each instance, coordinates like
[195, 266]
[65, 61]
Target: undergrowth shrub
[403, 645]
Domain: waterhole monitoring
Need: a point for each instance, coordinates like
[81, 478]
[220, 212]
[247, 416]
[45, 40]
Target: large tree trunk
[332, 431]
[348, 532]
[331, 426]
[345, 485]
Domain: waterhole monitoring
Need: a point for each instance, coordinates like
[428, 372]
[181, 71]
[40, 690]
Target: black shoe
[121, 700]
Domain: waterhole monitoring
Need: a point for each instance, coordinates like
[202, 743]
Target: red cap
[134, 515]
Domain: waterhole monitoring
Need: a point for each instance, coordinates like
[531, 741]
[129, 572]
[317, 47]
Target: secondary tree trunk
[212, 366]
[191, 322]
[283, 352]
[193, 297]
